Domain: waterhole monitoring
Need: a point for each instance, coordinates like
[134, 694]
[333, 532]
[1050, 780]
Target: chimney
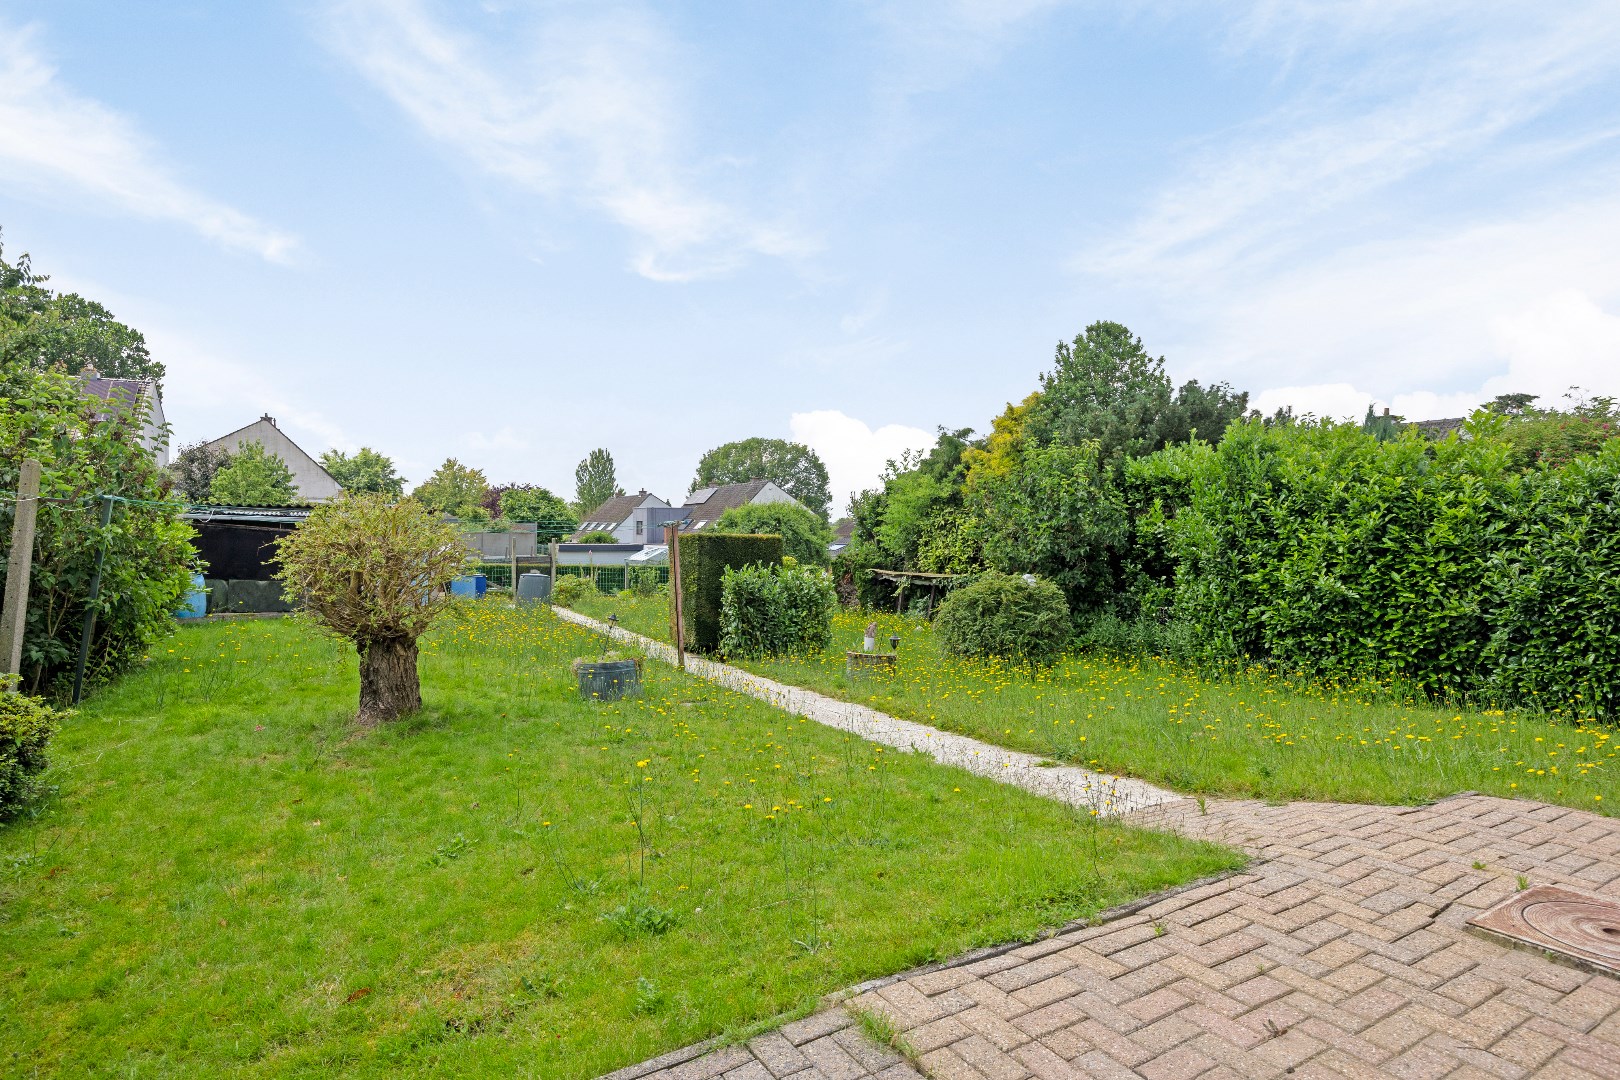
[272, 419]
[1386, 410]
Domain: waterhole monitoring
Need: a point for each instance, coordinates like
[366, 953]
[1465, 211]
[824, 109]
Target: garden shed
[237, 547]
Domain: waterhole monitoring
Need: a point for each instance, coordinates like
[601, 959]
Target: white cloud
[589, 112]
[1330, 401]
[1442, 87]
[854, 453]
[55, 144]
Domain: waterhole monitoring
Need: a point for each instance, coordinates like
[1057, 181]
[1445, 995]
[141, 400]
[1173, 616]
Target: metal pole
[89, 628]
[677, 610]
[14, 611]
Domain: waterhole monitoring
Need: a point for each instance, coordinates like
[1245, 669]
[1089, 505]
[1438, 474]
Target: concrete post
[14, 612]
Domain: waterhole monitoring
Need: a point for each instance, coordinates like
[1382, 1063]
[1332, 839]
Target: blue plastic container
[195, 603]
[466, 585]
[483, 585]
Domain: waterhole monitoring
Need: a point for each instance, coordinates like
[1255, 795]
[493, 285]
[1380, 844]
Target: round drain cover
[1589, 926]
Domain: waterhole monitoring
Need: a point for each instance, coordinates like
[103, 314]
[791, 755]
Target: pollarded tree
[253, 477]
[793, 467]
[364, 470]
[373, 572]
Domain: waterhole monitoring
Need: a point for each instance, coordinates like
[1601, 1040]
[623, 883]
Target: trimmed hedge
[776, 611]
[705, 558]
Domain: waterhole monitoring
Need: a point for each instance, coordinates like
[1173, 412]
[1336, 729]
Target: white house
[312, 482]
[143, 400]
[627, 517]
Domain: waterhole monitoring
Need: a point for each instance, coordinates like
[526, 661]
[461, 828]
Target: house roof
[717, 500]
[131, 391]
[613, 512]
[1439, 429]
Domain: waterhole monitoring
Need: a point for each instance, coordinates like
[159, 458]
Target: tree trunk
[389, 686]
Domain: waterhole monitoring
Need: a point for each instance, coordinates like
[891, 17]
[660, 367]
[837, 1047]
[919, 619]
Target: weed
[639, 918]
[452, 849]
[649, 999]
[1522, 882]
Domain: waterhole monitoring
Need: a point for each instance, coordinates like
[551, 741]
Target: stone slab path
[1341, 952]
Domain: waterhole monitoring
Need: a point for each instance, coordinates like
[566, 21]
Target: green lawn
[233, 880]
[1258, 735]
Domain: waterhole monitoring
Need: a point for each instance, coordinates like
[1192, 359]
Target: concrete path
[1342, 952]
[1108, 795]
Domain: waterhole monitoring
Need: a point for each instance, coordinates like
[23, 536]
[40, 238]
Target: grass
[1258, 735]
[232, 880]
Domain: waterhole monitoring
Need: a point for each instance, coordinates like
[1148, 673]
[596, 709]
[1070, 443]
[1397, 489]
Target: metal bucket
[608, 680]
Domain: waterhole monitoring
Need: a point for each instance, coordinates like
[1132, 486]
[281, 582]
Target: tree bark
[389, 686]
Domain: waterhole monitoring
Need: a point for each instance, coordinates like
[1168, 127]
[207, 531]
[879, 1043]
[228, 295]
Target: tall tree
[43, 329]
[253, 477]
[793, 467]
[527, 502]
[454, 489]
[594, 481]
[364, 470]
[194, 467]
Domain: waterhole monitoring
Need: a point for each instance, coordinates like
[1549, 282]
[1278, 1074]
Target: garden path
[1341, 952]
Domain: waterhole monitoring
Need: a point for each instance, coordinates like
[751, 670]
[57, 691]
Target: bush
[26, 727]
[1008, 616]
[705, 557]
[642, 580]
[600, 536]
[570, 589]
[776, 611]
[149, 557]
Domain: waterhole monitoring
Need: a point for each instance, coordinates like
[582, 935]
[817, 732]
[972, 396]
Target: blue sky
[510, 232]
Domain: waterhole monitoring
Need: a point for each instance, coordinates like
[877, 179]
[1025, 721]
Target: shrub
[89, 447]
[600, 536]
[776, 610]
[705, 557]
[373, 572]
[253, 477]
[26, 727]
[642, 580]
[570, 589]
[1006, 615]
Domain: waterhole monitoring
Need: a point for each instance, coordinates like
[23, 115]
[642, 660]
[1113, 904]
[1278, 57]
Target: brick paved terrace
[1342, 952]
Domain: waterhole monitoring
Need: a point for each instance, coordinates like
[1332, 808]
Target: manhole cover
[1573, 926]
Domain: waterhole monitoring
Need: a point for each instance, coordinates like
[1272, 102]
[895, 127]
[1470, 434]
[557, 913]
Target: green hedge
[1435, 565]
[776, 611]
[705, 557]
[26, 727]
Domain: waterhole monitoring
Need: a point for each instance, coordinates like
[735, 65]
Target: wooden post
[88, 630]
[677, 609]
[551, 553]
[511, 558]
[14, 611]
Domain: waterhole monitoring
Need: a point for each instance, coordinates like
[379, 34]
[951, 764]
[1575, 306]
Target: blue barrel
[194, 605]
[481, 585]
[466, 585]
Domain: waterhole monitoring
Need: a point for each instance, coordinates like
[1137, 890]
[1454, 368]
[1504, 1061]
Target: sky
[509, 232]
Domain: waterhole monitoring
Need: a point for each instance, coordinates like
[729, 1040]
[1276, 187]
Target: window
[700, 524]
[640, 526]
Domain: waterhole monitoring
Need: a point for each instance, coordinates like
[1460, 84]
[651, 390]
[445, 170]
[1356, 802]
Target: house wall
[313, 483]
[153, 436]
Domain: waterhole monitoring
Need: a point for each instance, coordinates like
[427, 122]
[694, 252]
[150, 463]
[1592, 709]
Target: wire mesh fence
[607, 579]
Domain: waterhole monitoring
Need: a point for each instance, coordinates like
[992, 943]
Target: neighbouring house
[141, 398]
[843, 533]
[627, 517]
[312, 482]
[705, 505]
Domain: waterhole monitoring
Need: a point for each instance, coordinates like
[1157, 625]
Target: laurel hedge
[704, 559]
[1319, 549]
